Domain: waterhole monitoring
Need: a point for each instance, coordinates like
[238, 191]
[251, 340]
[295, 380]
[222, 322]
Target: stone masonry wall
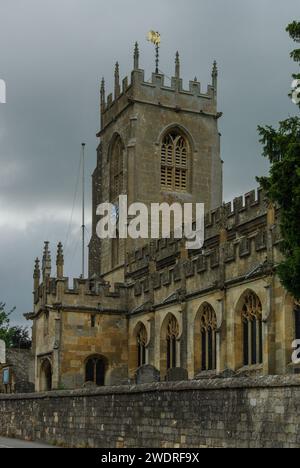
[261, 412]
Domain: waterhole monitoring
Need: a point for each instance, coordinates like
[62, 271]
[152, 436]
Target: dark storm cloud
[53, 54]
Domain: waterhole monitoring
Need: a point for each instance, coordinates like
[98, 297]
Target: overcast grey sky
[52, 56]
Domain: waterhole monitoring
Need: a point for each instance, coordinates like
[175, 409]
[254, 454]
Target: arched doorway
[95, 369]
[46, 376]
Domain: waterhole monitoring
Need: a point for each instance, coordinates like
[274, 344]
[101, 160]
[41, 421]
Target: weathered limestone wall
[20, 362]
[80, 341]
[257, 412]
[126, 115]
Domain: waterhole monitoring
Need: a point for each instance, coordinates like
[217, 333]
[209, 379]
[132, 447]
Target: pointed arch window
[172, 336]
[95, 368]
[141, 341]
[252, 330]
[116, 169]
[174, 162]
[46, 375]
[208, 328]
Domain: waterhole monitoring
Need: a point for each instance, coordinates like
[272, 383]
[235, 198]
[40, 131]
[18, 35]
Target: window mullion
[249, 326]
[207, 349]
[213, 348]
[257, 341]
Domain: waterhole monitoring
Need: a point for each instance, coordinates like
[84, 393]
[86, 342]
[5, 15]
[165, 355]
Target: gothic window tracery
[95, 368]
[252, 330]
[172, 336]
[208, 327]
[141, 340]
[174, 162]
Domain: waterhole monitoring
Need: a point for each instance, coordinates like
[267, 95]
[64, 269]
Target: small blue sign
[6, 376]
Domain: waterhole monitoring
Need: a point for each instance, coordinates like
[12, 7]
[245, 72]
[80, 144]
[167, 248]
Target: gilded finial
[155, 38]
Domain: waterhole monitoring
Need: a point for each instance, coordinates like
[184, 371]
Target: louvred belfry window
[116, 169]
[174, 162]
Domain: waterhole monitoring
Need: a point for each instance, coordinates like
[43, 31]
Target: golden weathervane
[155, 38]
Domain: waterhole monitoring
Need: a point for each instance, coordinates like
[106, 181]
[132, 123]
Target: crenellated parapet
[157, 92]
[56, 292]
[241, 210]
[233, 217]
[240, 241]
[204, 267]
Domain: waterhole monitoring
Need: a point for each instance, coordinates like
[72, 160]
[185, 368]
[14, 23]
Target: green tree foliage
[294, 31]
[14, 337]
[5, 332]
[282, 148]
[20, 338]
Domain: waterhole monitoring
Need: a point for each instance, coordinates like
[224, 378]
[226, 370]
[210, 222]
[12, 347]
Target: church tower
[158, 143]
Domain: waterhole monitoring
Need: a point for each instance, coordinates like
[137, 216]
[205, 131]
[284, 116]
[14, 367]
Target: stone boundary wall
[257, 412]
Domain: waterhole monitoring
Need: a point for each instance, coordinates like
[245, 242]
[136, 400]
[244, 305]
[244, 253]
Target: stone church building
[154, 305]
